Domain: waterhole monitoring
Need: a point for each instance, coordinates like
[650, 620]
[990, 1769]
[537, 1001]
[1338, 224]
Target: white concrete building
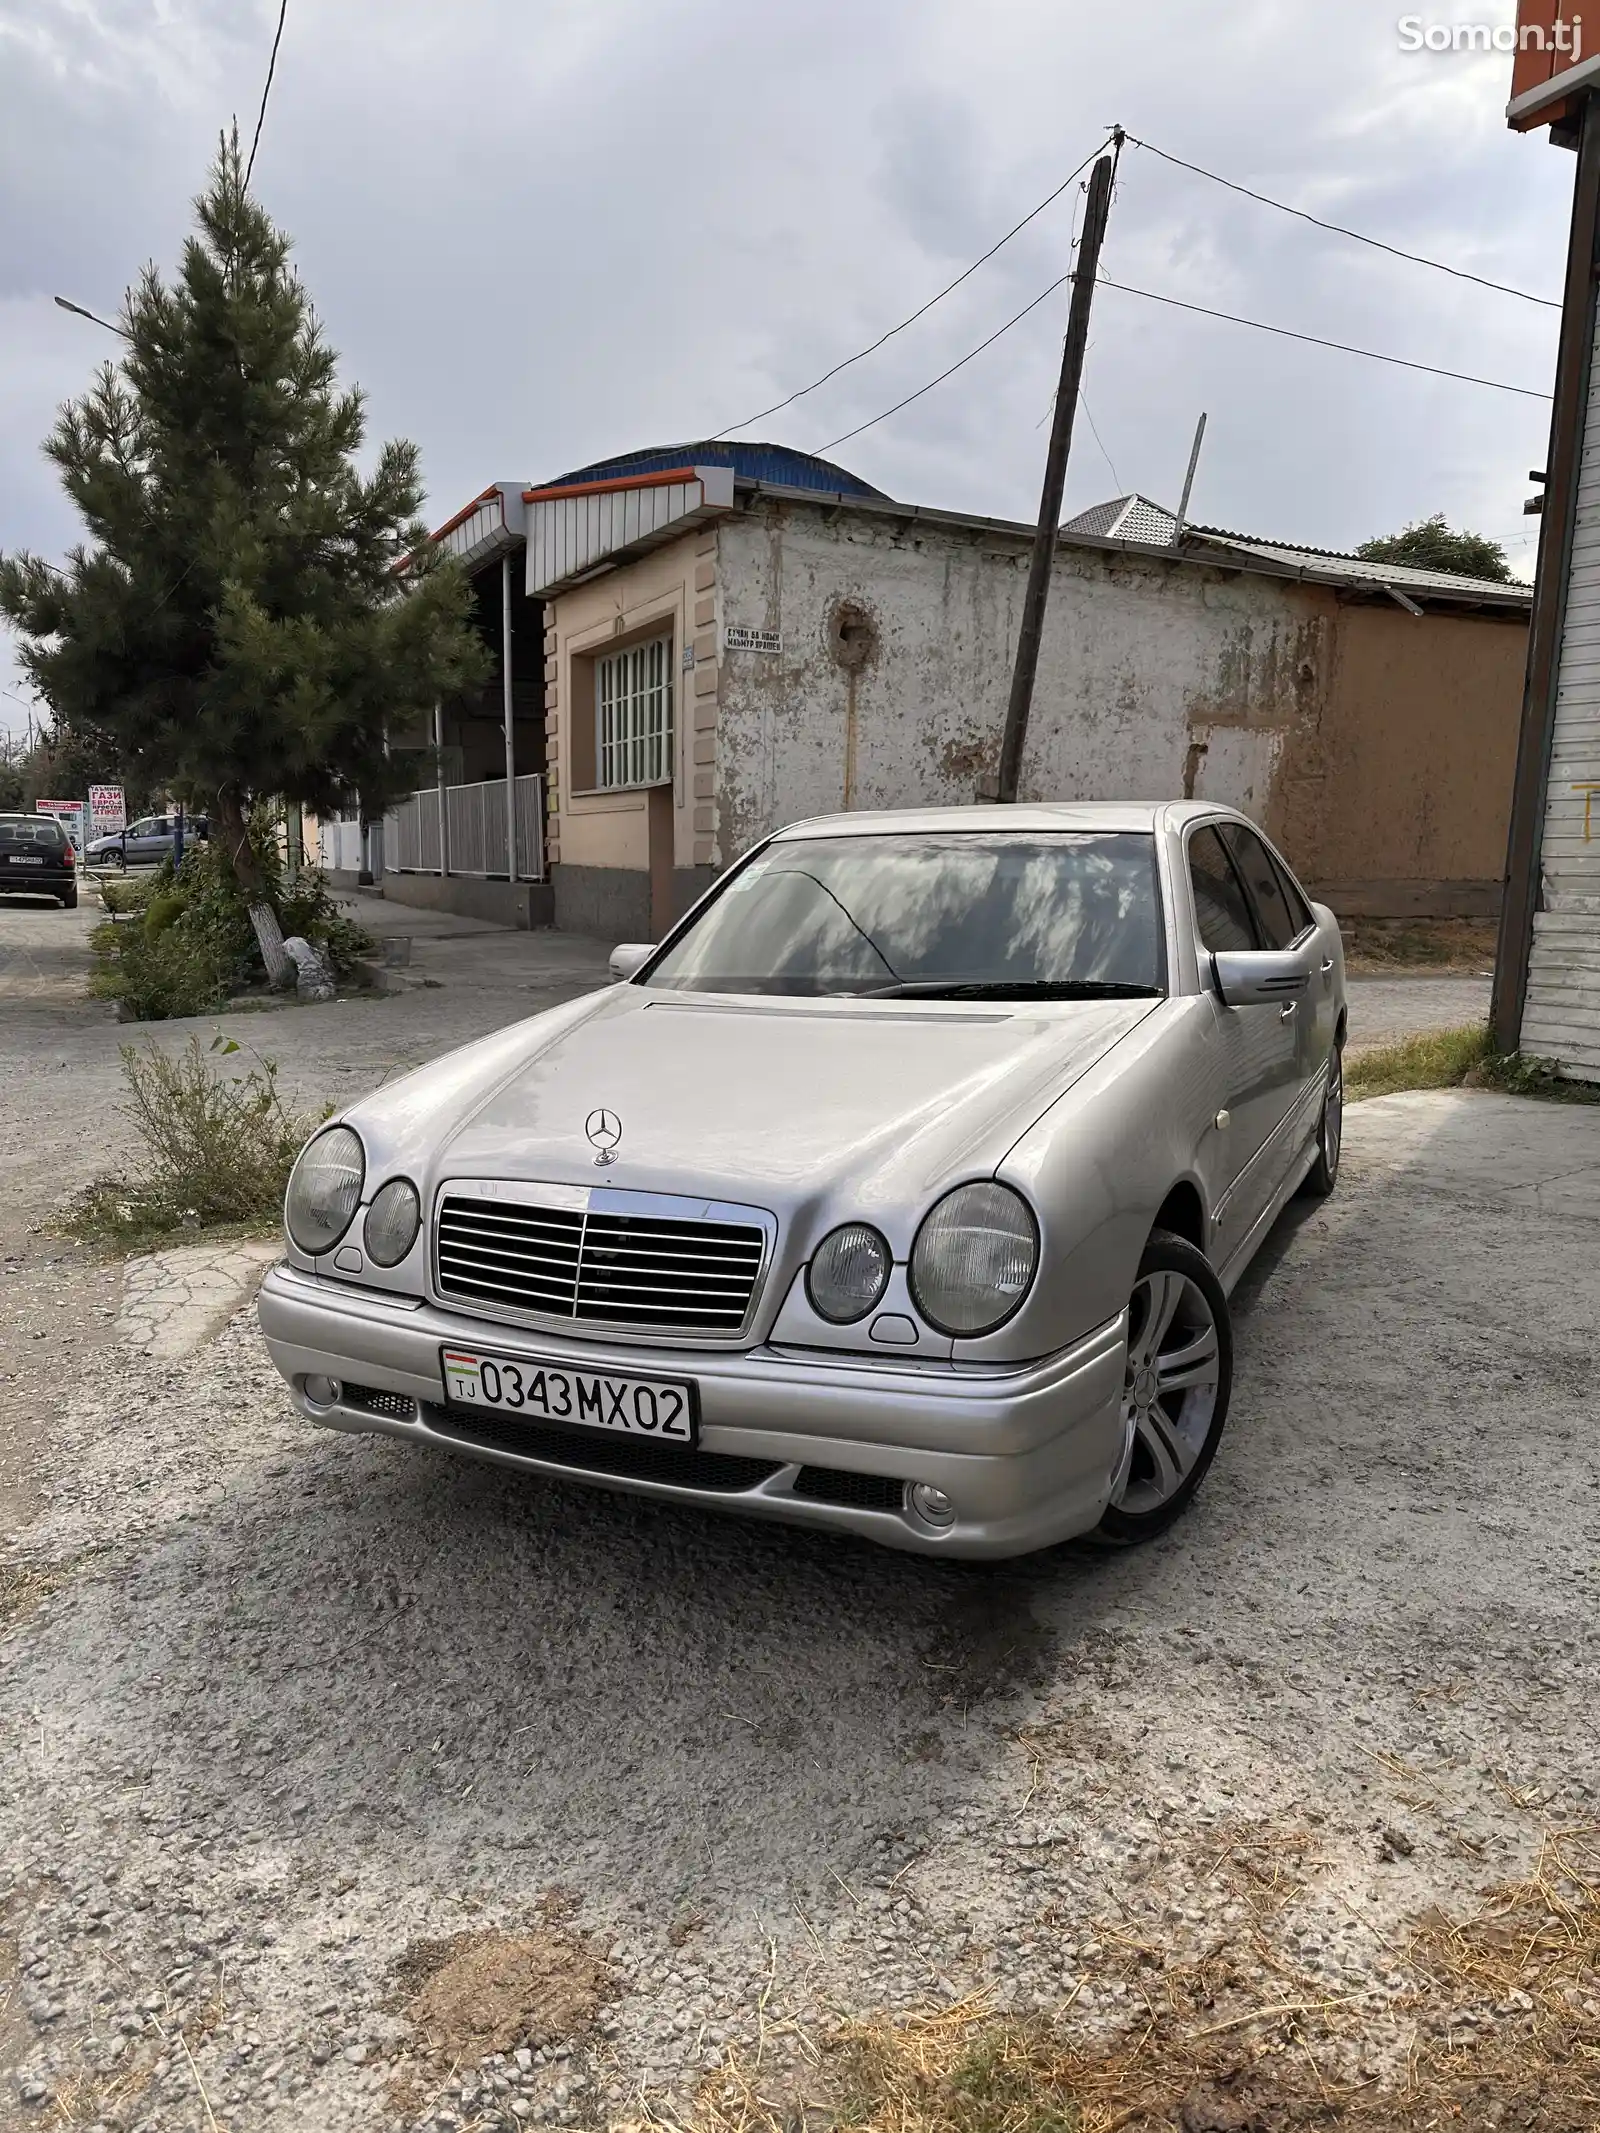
[737, 636]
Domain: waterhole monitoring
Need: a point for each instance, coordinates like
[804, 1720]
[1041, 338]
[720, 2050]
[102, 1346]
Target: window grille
[633, 700]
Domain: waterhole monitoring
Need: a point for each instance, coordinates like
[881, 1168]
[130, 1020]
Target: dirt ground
[1377, 947]
[328, 1764]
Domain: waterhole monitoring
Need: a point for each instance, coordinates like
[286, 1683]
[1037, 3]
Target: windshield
[953, 913]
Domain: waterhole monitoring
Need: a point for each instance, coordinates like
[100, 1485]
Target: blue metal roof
[751, 462]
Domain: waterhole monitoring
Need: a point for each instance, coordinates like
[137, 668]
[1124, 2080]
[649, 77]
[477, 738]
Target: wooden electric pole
[1055, 476]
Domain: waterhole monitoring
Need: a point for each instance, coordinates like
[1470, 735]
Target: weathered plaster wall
[1154, 678]
[1375, 745]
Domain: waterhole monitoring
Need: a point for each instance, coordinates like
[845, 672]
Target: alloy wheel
[1333, 1115]
[1174, 1372]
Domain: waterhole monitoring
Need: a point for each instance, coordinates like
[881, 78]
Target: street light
[93, 317]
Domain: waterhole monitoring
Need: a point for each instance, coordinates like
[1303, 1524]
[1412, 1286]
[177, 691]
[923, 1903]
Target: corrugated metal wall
[1561, 1019]
[566, 534]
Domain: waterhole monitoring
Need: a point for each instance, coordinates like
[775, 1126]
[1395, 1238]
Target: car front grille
[640, 1458]
[635, 1270]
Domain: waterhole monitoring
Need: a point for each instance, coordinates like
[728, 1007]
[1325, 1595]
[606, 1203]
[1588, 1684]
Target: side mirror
[1256, 977]
[631, 956]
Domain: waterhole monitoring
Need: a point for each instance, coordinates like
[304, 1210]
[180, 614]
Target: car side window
[1299, 909]
[1279, 925]
[1220, 904]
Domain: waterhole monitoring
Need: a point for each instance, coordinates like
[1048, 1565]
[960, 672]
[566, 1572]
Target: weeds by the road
[1454, 1059]
[1439, 1060]
[1502, 2013]
[216, 1147]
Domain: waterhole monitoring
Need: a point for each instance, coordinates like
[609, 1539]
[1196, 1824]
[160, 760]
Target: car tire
[69, 901]
[1179, 1331]
[1323, 1175]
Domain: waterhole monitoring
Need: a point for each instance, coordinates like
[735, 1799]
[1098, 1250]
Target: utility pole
[1055, 474]
[1182, 519]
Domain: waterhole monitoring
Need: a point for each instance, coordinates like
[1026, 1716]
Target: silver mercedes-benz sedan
[900, 1190]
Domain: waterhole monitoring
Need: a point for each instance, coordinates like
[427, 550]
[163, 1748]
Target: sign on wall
[71, 814]
[107, 809]
[737, 639]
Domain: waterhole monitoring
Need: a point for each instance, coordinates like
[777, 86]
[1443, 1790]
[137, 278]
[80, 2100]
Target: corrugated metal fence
[474, 831]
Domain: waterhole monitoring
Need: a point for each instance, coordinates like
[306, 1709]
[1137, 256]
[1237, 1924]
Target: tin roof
[1135, 518]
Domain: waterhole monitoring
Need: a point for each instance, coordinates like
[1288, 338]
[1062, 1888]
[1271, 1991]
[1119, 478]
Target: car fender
[1097, 1167]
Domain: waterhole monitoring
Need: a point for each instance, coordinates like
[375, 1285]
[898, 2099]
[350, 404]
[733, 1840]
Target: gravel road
[283, 1712]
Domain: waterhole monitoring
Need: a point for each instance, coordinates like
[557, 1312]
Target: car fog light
[932, 1505]
[322, 1392]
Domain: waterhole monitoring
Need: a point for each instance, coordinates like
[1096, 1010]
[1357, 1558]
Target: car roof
[1103, 815]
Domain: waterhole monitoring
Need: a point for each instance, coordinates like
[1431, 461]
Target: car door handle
[1287, 1010]
[1327, 966]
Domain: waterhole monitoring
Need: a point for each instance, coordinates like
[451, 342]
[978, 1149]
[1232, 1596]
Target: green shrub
[157, 976]
[123, 898]
[197, 945]
[164, 909]
[215, 1147]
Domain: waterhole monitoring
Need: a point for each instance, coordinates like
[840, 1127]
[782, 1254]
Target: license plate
[18, 859]
[663, 1408]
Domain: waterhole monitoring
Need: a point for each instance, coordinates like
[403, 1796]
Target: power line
[1338, 229]
[950, 373]
[778, 405]
[1287, 333]
[1373, 355]
[266, 91]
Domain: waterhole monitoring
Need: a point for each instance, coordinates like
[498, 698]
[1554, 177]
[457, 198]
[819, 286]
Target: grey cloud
[540, 234]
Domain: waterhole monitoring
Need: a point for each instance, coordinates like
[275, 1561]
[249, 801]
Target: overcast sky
[540, 231]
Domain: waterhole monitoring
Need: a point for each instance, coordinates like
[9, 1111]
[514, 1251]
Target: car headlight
[392, 1222]
[849, 1272]
[974, 1259]
[325, 1189]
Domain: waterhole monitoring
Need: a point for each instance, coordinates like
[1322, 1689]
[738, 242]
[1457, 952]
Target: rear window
[27, 833]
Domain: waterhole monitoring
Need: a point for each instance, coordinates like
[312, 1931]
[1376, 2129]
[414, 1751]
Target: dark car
[146, 842]
[36, 856]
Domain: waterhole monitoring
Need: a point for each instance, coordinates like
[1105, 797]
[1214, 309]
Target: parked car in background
[900, 1190]
[145, 842]
[36, 857]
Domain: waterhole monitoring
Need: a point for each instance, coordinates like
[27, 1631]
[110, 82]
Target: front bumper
[1026, 1455]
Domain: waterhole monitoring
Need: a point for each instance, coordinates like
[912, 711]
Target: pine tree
[250, 613]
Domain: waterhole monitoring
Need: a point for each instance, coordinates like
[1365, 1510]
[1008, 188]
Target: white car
[900, 1190]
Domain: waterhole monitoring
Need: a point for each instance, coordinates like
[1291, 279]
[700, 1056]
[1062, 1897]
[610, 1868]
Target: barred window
[633, 700]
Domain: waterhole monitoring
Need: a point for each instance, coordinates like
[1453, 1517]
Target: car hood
[774, 1101]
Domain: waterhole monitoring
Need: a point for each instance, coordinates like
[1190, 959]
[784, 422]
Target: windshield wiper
[1009, 989]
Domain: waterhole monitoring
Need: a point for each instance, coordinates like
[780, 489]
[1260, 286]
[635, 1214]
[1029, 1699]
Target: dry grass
[215, 1148]
[1454, 1059]
[1502, 2011]
[1440, 1060]
[1383, 947]
[23, 1586]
